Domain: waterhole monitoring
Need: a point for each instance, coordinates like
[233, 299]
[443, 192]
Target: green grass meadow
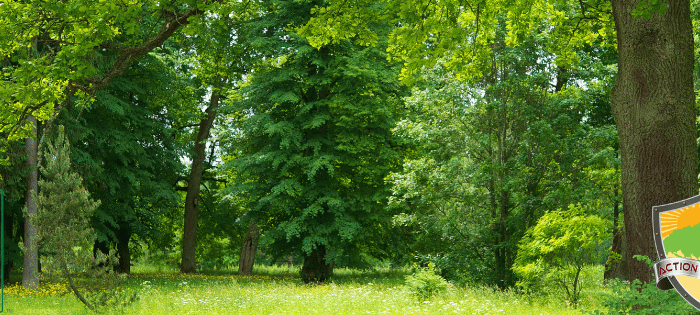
[278, 290]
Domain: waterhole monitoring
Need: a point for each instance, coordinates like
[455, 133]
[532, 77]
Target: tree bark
[653, 103]
[31, 253]
[123, 237]
[617, 265]
[248, 250]
[315, 268]
[189, 237]
[8, 228]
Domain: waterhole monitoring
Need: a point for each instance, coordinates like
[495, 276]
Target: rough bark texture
[315, 268]
[31, 253]
[654, 108]
[248, 250]
[189, 237]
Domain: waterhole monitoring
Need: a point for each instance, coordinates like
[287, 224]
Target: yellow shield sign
[677, 235]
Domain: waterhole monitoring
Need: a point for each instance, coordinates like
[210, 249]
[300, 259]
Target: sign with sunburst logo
[676, 235]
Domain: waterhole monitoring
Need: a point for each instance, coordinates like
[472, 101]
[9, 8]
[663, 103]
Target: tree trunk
[502, 248]
[653, 103]
[8, 228]
[189, 237]
[617, 265]
[315, 268]
[31, 253]
[123, 237]
[248, 250]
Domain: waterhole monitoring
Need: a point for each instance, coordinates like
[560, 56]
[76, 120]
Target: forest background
[485, 138]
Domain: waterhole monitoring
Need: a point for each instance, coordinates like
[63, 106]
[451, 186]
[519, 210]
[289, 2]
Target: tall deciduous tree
[221, 59]
[189, 237]
[492, 155]
[129, 161]
[317, 145]
[653, 102]
[56, 49]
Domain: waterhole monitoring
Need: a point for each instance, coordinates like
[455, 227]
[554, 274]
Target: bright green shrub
[426, 283]
[554, 251]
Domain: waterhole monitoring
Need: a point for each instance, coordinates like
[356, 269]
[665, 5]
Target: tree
[653, 103]
[248, 250]
[130, 161]
[652, 99]
[188, 264]
[495, 153]
[31, 251]
[62, 224]
[221, 60]
[54, 53]
[316, 145]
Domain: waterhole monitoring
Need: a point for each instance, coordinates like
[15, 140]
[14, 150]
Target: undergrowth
[279, 290]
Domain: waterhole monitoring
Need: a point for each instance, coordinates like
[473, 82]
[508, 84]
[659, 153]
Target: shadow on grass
[379, 276]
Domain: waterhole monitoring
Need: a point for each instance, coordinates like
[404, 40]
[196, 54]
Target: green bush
[643, 298]
[426, 283]
[555, 251]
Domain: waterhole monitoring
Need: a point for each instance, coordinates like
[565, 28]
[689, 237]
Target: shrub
[426, 283]
[643, 298]
[64, 232]
[554, 251]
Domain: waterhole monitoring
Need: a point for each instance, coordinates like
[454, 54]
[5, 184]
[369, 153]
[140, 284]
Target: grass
[278, 290]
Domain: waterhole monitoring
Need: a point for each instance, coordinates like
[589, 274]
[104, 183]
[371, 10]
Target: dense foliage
[472, 138]
[316, 144]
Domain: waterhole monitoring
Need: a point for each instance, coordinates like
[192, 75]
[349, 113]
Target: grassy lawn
[278, 290]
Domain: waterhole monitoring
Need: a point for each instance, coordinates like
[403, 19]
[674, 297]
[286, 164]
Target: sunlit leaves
[340, 21]
[464, 34]
[554, 251]
[48, 45]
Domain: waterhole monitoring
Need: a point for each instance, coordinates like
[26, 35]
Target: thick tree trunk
[31, 253]
[248, 250]
[189, 237]
[315, 268]
[653, 103]
[123, 237]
